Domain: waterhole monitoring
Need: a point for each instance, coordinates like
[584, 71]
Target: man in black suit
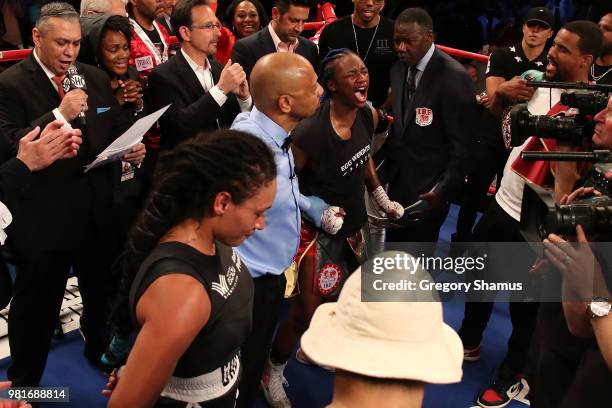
[204, 94]
[34, 154]
[281, 35]
[433, 108]
[62, 217]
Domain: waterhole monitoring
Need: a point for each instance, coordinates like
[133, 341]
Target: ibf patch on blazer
[424, 116]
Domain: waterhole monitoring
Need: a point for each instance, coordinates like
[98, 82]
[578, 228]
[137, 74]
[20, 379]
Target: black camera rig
[586, 99]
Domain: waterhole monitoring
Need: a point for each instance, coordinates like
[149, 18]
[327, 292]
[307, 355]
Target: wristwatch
[599, 306]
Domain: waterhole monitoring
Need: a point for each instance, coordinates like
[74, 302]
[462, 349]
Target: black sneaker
[501, 392]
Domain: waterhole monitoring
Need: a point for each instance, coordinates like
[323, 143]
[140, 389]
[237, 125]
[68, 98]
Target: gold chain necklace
[597, 78]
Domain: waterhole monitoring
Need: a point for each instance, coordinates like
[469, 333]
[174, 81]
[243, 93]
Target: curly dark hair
[187, 179]
[119, 24]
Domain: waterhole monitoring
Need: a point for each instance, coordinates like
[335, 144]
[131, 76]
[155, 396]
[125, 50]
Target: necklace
[597, 78]
[371, 41]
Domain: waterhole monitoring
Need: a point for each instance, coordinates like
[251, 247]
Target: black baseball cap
[541, 15]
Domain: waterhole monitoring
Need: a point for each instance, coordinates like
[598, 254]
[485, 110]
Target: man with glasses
[204, 95]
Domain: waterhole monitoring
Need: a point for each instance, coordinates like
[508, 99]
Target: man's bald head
[278, 76]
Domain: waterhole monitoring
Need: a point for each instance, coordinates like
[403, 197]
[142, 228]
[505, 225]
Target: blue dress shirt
[271, 250]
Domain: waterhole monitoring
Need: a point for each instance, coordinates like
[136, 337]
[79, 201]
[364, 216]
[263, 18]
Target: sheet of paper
[124, 143]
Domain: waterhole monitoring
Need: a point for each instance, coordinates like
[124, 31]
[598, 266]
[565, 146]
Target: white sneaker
[272, 382]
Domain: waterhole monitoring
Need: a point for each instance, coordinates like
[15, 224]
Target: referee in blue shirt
[285, 90]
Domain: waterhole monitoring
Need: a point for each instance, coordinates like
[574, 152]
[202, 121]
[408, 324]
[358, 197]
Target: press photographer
[574, 48]
[541, 215]
[574, 337]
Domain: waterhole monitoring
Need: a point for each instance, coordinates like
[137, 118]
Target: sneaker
[272, 384]
[302, 358]
[501, 392]
[471, 354]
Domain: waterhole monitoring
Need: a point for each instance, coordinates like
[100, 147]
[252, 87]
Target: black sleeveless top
[230, 289]
[336, 168]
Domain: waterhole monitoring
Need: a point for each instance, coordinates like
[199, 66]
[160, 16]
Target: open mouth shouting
[361, 93]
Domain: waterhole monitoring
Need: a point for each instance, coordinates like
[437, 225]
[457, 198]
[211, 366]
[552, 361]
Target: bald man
[285, 90]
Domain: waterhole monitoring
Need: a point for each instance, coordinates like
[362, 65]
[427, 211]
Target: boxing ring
[72, 305]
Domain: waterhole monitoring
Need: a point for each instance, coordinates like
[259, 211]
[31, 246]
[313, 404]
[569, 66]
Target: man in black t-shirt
[505, 87]
[369, 35]
[601, 70]
[149, 44]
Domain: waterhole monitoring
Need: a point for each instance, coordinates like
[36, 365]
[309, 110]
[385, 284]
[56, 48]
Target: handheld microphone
[74, 80]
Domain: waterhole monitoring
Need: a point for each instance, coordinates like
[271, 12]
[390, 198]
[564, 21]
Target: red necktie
[60, 88]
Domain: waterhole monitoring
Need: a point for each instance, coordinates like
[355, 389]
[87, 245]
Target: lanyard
[149, 44]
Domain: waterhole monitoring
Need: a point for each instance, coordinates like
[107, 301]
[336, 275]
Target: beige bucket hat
[405, 339]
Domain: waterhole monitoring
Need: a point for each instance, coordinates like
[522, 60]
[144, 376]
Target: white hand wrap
[332, 220]
[392, 208]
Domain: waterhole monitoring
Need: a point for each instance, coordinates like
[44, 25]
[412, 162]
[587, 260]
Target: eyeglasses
[207, 26]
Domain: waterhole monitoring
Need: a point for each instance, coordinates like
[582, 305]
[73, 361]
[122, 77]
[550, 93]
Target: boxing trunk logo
[229, 371]
[329, 278]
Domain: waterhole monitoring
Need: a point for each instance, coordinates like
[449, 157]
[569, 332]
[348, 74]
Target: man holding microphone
[63, 218]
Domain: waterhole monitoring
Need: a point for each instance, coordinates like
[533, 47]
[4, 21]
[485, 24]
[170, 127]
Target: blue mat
[308, 386]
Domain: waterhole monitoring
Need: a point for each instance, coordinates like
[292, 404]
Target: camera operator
[569, 59]
[574, 366]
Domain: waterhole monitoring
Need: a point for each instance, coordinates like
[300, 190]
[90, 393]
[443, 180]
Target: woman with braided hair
[190, 295]
[332, 158]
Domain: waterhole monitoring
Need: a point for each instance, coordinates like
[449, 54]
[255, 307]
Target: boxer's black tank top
[230, 289]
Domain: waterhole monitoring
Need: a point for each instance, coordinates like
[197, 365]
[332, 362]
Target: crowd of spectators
[265, 157]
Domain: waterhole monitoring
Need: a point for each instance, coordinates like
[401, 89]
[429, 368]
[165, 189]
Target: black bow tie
[286, 143]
